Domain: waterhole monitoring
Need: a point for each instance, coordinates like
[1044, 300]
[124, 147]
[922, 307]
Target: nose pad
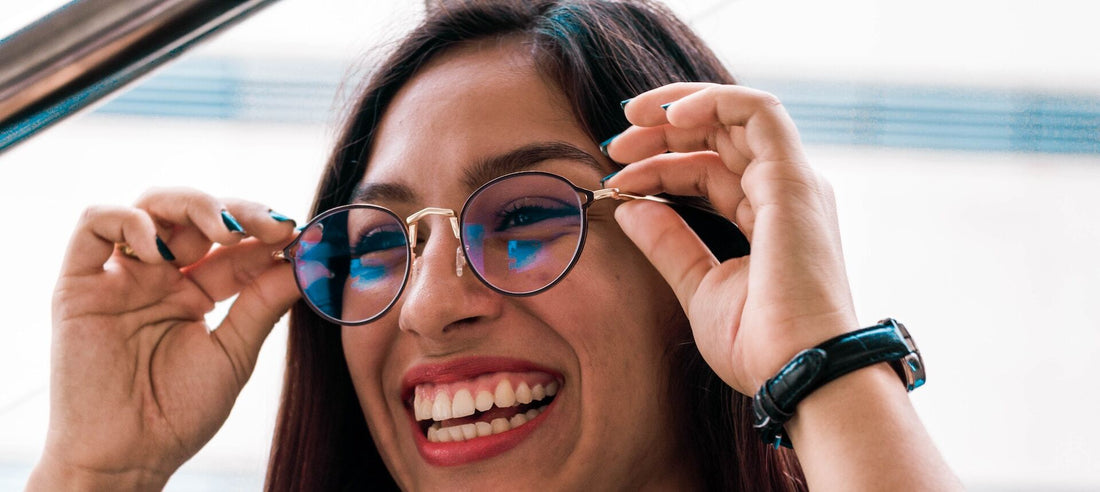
[460, 261]
[413, 221]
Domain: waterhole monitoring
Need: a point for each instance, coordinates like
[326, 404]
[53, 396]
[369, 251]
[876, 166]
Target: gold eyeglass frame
[588, 197]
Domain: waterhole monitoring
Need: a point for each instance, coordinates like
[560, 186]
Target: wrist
[774, 404]
[841, 405]
[53, 474]
[859, 424]
[790, 338]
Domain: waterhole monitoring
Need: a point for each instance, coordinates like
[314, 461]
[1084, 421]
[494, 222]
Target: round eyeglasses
[519, 234]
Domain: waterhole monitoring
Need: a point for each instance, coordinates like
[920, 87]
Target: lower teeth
[437, 433]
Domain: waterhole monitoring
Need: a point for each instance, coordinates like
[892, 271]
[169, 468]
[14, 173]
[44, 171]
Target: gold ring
[126, 250]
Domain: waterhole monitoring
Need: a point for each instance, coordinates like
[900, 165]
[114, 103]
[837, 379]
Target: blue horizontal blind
[272, 91]
[826, 112]
[943, 118]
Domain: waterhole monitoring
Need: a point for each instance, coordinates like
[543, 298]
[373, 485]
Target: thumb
[669, 244]
[257, 308]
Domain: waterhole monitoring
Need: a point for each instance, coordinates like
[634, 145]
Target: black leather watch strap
[888, 341]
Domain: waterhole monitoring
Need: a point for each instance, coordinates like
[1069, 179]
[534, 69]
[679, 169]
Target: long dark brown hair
[597, 53]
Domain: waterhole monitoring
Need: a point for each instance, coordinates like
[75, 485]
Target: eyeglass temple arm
[616, 194]
[283, 254]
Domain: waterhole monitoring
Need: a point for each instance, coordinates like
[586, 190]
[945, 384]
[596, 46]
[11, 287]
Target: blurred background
[962, 137]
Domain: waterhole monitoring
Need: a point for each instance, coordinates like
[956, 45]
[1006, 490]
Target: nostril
[462, 323]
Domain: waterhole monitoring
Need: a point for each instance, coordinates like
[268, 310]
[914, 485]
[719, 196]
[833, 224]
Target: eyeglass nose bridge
[412, 220]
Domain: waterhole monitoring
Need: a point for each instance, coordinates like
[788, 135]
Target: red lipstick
[461, 452]
[463, 369]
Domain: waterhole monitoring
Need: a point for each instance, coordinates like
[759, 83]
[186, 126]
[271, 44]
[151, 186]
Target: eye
[532, 210]
[376, 240]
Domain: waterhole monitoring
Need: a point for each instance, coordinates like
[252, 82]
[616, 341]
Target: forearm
[860, 432]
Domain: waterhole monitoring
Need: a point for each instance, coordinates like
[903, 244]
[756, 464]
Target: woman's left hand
[739, 148]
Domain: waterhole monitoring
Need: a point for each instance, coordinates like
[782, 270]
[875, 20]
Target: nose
[444, 306]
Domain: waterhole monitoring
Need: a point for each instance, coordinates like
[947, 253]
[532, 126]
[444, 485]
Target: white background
[991, 259]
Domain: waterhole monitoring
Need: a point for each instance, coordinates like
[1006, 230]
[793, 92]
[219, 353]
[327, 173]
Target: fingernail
[624, 101]
[665, 106]
[605, 143]
[609, 176]
[280, 217]
[164, 251]
[231, 223]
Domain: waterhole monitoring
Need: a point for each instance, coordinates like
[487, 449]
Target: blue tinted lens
[522, 233]
[351, 264]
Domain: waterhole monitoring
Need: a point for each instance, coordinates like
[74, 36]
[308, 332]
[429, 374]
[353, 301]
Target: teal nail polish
[622, 103]
[605, 143]
[665, 106]
[164, 251]
[231, 223]
[609, 176]
[280, 217]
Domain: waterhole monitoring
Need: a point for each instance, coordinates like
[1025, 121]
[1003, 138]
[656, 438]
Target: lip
[463, 369]
[480, 448]
[459, 453]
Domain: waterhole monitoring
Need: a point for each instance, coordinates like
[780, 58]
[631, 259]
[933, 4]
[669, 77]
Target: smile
[490, 404]
[476, 408]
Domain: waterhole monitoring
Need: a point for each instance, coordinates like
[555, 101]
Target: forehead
[473, 106]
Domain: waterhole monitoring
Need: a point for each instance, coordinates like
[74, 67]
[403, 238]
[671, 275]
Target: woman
[627, 367]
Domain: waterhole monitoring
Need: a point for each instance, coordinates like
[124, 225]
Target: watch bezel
[910, 367]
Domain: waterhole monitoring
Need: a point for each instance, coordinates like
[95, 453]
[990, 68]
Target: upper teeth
[450, 401]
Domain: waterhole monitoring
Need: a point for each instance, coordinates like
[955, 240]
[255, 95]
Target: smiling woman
[483, 305]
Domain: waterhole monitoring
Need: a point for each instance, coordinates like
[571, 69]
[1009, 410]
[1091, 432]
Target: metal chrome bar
[87, 49]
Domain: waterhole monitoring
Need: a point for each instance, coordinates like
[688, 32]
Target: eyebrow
[524, 158]
[376, 192]
[486, 169]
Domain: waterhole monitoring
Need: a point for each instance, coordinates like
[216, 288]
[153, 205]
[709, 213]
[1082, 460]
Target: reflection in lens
[522, 254]
[364, 277]
[351, 264]
[521, 233]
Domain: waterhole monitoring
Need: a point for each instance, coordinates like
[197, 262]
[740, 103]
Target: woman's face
[589, 353]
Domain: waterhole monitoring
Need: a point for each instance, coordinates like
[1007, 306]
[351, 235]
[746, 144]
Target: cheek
[622, 322]
[628, 318]
[369, 351]
[627, 281]
[364, 350]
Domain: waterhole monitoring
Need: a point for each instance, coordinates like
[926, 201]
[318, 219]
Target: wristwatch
[888, 341]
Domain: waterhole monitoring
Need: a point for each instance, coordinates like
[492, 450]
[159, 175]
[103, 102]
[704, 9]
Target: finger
[769, 134]
[184, 207]
[695, 174]
[669, 244]
[637, 143]
[645, 109]
[100, 229]
[228, 270]
[256, 310]
[260, 221]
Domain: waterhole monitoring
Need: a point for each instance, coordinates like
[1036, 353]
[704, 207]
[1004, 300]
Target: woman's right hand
[139, 382]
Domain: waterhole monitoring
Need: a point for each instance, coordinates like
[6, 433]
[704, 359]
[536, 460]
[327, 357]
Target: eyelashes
[532, 210]
[378, 240]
